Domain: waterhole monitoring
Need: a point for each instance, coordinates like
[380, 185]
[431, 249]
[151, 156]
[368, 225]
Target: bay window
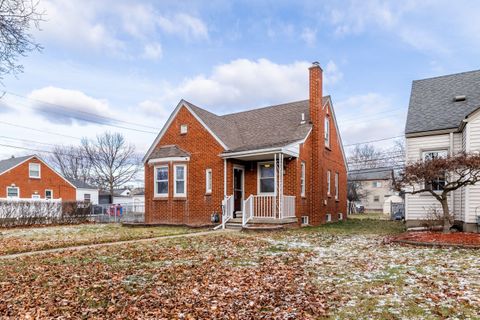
[161, 181]
[180, 185]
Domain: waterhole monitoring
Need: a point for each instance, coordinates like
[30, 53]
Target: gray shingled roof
[168, 151]
[81, 184]
[370, 174]
[7, 164]
[432, 105]
[267, 127]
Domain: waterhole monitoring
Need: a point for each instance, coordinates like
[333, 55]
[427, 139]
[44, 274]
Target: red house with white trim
[29, 177]
[282, 164]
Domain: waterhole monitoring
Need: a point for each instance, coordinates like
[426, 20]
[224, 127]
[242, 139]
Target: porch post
[280, 193]
[276, 186]
[224, 178]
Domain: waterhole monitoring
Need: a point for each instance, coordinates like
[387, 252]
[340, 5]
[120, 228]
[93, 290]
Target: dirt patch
[459, 239]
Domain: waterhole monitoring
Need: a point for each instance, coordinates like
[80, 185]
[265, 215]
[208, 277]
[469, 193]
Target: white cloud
[244, 83]
[152, 51]
[309, 36]
[185, 25]
[369, 117]
[66, 106]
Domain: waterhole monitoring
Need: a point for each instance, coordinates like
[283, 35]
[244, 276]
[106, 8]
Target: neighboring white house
[85, 192]
[444, 118]
[133, 198]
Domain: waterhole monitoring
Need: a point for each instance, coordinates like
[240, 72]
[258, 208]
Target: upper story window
[34, 170]
[208, 181]
[302, 180]
[87, 197]
[161, 181]
[327, 131]
[13, 192]
[439, 183]
[266, 177]
[377, 184]
[183, 129]
[180, 177]
[336, 185]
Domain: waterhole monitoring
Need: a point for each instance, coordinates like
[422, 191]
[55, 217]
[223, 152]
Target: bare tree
[365, 156]
[72, 163]
[355, 193]
[16, 19]
[114, 161]
[439, 176]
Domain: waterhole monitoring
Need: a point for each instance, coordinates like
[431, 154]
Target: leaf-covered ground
[39, 238]
[339, 271]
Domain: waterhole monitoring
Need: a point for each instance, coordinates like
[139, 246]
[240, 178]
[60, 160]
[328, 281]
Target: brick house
[278, 164]
[29, 177]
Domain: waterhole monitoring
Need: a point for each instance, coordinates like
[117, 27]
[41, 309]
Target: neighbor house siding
[420, 206]
[472, 144]
[49, 180]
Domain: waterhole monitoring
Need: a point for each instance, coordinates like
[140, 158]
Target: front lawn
[17, 240]
[338, 271]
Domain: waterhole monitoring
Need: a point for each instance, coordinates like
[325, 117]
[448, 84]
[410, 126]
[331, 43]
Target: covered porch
[255, 188]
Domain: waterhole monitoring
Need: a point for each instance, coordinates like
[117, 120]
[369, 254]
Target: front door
[238, 188]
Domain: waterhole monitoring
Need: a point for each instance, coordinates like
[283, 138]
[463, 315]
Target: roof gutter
[257, 152]
[430, 133]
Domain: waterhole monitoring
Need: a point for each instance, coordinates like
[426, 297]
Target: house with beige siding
[444, 119]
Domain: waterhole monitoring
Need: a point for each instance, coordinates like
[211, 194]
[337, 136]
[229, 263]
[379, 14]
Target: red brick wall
[197, 207]
[49, 179]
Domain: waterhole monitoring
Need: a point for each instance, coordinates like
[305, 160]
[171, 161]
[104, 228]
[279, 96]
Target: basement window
[340, 216]
[183, 129]
[329, 217]
[304, 220]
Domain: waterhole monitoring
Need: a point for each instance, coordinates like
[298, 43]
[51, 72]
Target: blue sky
[134, 60]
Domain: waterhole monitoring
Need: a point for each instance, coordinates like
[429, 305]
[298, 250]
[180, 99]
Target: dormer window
[303, 118]
[183, 129]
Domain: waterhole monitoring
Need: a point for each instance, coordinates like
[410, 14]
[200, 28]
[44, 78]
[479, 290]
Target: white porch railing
[264, 206]
[228, 207]
[247, 210]
[288, 207]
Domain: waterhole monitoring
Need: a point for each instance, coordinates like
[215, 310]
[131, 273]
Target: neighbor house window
[180, 177]
[34, 170]
[327, 131]
[336, 185]
[87, 197]
[161, 181]
[377, 184]
[208, 181]
[376, 198]
[183, 129]
[266, 177]
[329, 174]
[302, 180]
[13, 192]
[439, 183]
[48, 194]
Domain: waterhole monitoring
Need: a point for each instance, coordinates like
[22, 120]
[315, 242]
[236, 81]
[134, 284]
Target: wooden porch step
[233, 225]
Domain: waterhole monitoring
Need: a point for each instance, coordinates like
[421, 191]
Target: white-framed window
[340, 216]
[87, 197]
[35, 196]
[336, 185]
[439, 183]
[183, 129]
[13, 192]
[329, 178]
[34, 170]
[302, 180]
[48, 194]
[377, 184]
[180, 180]
[208, 181]
[304, 220]
[329, 217]
[266, 177]
[327, 131]
[161, 181]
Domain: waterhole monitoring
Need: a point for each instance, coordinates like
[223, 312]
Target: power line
[377, 140]
[56, 105]
[27, 140]
[38, 130]
[386, 111]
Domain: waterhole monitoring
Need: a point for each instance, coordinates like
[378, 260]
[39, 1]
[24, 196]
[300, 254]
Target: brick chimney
[315, 105]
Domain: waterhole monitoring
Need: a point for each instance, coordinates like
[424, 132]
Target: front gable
[182, 115]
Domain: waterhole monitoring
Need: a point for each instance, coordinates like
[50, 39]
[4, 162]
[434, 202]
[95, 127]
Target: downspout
[224, 178]
[453, 193]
